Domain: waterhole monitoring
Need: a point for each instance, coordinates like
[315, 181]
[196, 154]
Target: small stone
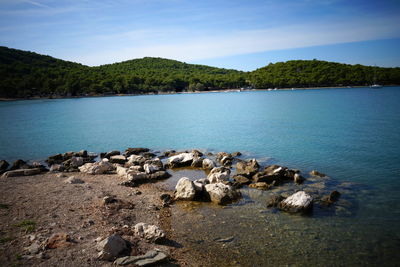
[111, 247]
[73, 180]
[151, 258]
[149, 232]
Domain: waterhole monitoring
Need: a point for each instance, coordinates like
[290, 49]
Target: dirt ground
[33, 208]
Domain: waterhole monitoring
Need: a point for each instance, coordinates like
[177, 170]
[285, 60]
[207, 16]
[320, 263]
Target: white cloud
[187, 46]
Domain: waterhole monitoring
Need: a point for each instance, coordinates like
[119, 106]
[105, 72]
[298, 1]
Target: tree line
[27, 74]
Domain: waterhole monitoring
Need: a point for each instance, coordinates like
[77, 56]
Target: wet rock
[274, 201]
[197, 153]
[82, 153]
[148, 155]
[101, 167]
[119, 159]
[197, 162]
[111, 247]
[298, 202]
[185, 189]
[166, 200]
[73, 180]
[109, 154]
[261, 185]
[19, 164]
[208, 164]
[73, 162]
[219, 174]
[276, 174]
[241, 180]
[220, 193]
[135, 151]
[298, 179]
[3, 165]
[21, 172]
[331, 198]
[224, 158]
[247, 169]
[151, 258]
[317, 173]
[158, 175]
[180, 160]
[58, 240]
[236, 154]
[55, 159]
[149, 232]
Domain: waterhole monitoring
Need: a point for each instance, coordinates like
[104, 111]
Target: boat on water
[376, 86]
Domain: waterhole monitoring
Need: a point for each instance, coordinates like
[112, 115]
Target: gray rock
[180, 160]
[185, 189]
[241, 180]
[197, 162]
[208, 164]
[34, 248]
[152, 257]
[21, 172]
[219, 174]
[224, 158]
[149, 232]
[57, 168]
[108, 155]
[247, 169]
[19, 164]
[298, 202]
[111, 247]
[101, 167]
[136, 160]
[220, 193]
[73, 180]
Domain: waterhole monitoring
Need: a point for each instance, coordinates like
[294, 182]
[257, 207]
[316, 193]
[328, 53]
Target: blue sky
[233, 34]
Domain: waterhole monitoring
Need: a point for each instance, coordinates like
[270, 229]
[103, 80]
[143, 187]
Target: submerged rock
[274, 201]
[185, 189]
[317, 173]
[151, 258]
[149, 232]
[111, 247]
[220, 193]
[224, 158]
[261, 185]
[331, 198]
[298, 202]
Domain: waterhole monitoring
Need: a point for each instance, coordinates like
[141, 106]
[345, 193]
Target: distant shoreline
[4, 99]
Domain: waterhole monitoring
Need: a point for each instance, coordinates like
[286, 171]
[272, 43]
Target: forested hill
[26, 74]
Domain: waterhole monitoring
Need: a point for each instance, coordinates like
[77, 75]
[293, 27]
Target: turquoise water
[350, 134]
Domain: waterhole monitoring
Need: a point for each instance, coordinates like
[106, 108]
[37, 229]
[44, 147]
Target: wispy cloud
[35, 3]
[187, 46]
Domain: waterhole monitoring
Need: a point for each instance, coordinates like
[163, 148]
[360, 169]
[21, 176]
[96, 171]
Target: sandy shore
[35, 207]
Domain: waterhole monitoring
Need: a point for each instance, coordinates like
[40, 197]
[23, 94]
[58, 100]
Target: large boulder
[149, 232]
[219, 174]
[185, 189]
[220, 193]
[248, 168]
[298, 202]
[275, 174]
[111, 247]
[101, 167]
[180, 160]
[208, 164]
[151, 258]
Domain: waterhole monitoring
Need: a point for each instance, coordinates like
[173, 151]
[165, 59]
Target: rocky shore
[84, 209]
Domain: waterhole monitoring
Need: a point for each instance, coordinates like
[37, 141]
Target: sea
[350, 134]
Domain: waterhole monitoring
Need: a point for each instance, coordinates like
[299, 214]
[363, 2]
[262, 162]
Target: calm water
[351, 134]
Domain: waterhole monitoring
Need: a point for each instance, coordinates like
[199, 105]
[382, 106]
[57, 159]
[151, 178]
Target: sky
[239, 34]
